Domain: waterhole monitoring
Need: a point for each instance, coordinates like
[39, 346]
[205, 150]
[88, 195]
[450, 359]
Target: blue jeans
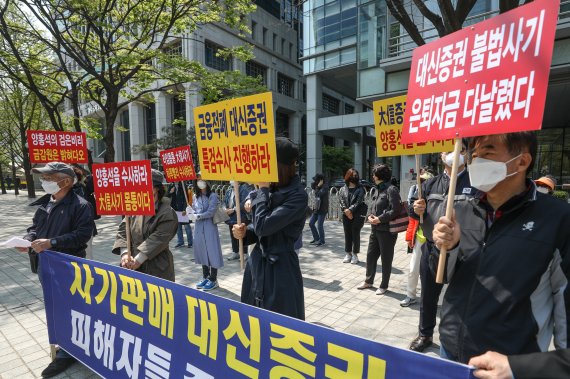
[320, 220]
[180, 234]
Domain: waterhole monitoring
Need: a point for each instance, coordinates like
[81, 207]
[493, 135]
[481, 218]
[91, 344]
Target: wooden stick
[419, 184]
[238, 215]
[128, 231]
[449, 208]
[185, 192]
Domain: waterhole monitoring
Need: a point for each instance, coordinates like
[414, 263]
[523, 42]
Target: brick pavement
[331, 297]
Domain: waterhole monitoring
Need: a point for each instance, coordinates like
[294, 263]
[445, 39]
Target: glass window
[150, 122]
[372, 24]
[331, 104]
[285, 85]
[348, 108]
[126, 136]
[255, 70]
[253, 30]
[215, 62]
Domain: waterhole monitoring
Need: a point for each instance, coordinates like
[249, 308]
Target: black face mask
[354, 180]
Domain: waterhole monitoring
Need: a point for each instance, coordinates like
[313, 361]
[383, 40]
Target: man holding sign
[511, 294]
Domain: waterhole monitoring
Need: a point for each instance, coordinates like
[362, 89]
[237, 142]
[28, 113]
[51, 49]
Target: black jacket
[272, 279]
[70, 223]
[551, 365]
[322, 193]
[511, 293]
[355, 202]
[386, 205]
[177, 199]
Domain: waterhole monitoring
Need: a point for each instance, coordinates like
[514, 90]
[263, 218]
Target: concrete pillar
[314, 138]
[163, 113]
[359, 152]
[118, 141]
[193, 100]
[136, 128]
[295, 127]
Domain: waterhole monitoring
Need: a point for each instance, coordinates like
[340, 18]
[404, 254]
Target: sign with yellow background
[388, 124]
[236, 139]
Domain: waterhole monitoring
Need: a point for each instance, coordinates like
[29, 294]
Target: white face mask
[50, 187]
[485, 174]
[201, 184]
[542, 190]
[448, 160]
[231, 182]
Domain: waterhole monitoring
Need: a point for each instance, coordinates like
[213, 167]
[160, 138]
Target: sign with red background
[177, 164]
[123, 188]
[488, 78]
[50, 146]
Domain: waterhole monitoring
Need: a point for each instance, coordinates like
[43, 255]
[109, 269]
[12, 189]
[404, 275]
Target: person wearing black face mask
[353, 207]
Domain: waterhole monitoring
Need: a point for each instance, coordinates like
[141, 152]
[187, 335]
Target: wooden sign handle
[419, 184]
[238, 215]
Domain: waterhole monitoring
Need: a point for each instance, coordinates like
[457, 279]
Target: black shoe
[178, 245]
[420, 343]
[319, 244]
[313, 242]
[58, 366]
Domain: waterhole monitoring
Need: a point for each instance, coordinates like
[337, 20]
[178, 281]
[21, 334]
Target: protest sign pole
[238, 215]
[185, 192]
[128, 233]
[449, 208]
[419, 183]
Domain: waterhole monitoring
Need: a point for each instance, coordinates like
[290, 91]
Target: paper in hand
[182, 218]
[16, 242]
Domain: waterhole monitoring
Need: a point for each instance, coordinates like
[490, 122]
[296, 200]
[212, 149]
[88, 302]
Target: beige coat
[150, 236]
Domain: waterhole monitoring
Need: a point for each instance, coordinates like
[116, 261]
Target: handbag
[317, 204]
[220, 216]
[400, 223]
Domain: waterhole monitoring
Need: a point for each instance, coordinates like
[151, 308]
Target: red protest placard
[123, 188]
[49, 146]
[178, 164]
[488, 78]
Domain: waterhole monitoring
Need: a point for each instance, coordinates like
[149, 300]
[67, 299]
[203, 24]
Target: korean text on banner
[124, 324]
[123, 188]
[49, 146]
[236, 139]
[177, 164]
[388, 125]
[488, 78]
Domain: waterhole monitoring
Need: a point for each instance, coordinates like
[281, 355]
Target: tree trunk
[30, 185]
[109, 137]
[74, 97]
[2, 181]
[16, 182]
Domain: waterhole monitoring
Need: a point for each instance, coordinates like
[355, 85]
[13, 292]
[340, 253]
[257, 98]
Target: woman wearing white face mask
[207, 247]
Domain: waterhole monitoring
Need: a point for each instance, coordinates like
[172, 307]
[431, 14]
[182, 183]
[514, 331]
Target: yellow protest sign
[236, 139]
[388, 124]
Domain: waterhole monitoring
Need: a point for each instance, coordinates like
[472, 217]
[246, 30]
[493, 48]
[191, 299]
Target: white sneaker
[347, 258]
[354, 259]
[233, 257]
[408, 301]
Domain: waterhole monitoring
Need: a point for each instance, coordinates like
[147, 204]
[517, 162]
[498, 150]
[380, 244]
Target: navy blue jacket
[272, 279]
[70, 223]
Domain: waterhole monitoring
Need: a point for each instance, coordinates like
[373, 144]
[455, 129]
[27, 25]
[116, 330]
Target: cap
[157, 177]
[426, 175]
[287, 151]
[55, 167]
[545, 181]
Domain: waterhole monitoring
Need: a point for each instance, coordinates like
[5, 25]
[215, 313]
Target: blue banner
[124, 324]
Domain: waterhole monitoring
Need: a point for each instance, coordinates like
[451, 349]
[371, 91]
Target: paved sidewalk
[331, 297]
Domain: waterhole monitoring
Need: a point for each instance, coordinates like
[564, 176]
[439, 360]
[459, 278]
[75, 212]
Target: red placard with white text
[124, 188]
[50, 146]
[177, 164]
[488, 78]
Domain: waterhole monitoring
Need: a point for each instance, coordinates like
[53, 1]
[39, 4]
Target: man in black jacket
[510, 294]
[63, 222]
[432, 207]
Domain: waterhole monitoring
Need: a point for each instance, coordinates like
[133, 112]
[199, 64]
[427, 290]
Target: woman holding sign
[207, 247]
[272, 279]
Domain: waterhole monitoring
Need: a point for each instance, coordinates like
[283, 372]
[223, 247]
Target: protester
[415, 238]
[207, 247]
[176, 192]
[545, 184]
[508, 288]
[353, 207]
[272, 279]
[81, 189]
[230, 208]
[435, 192]
[545, 365]
[320, 210]
[386, 206]
[63, 222]
[150, 236]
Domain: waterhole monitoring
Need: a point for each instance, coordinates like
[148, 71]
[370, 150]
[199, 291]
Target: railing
[403, 45]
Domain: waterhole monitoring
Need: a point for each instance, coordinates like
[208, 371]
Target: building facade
[358, 49]
[275, 27]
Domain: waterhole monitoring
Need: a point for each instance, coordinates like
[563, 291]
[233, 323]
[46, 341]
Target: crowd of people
[507, 244]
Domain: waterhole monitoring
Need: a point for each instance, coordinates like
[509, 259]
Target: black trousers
[210, 273]
[430, 293]
[235, 242]
[381, 245]
[352, 230]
